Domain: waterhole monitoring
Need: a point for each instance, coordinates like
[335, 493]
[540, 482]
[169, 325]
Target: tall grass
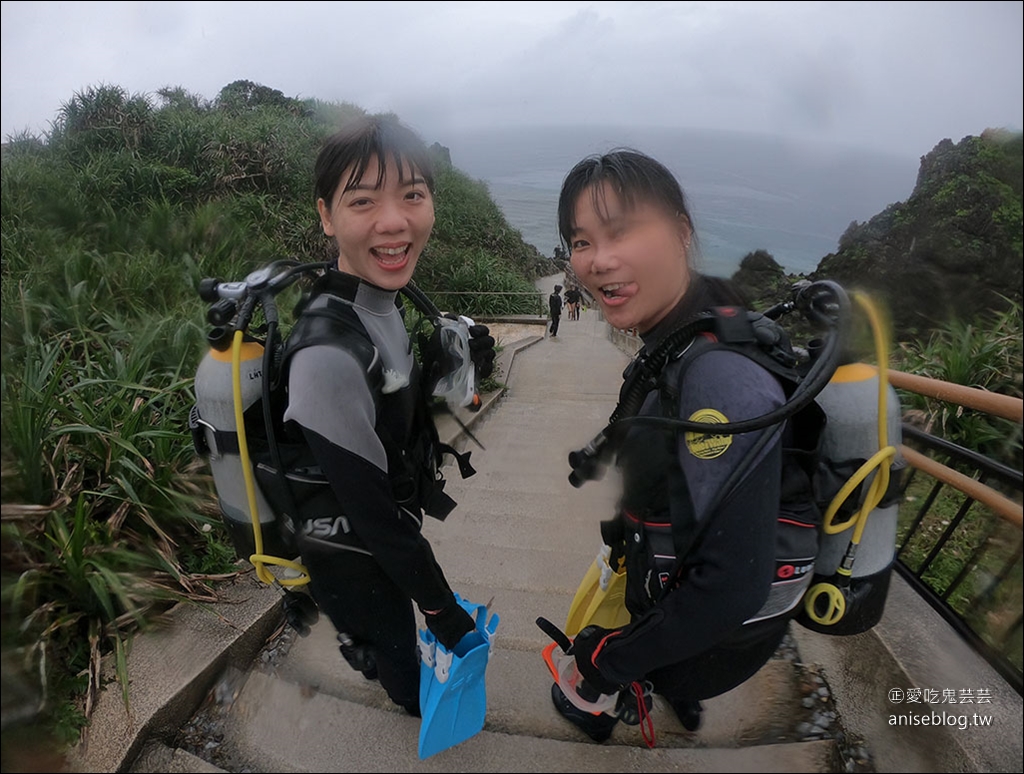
[986, 353]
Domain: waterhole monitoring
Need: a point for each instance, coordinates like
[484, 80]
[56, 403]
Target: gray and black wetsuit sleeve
[331, 401]
[727, 577]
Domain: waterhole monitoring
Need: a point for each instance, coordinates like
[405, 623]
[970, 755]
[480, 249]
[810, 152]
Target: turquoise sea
[746, 191]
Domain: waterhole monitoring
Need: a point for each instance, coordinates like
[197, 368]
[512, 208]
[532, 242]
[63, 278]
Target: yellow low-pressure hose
[259, 560]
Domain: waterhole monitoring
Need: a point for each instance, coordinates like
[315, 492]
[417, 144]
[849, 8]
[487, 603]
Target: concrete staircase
[313, 714]
[522, 538]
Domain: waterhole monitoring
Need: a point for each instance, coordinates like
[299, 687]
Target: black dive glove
[449, 624]
[583, 648]
[481, 350]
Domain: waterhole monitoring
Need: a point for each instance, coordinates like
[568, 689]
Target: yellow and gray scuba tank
[233, 386]
[215, 434]
[859, 474]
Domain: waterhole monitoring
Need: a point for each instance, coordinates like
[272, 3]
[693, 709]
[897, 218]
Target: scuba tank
[859, 473]
[233, 386]
[213, 418]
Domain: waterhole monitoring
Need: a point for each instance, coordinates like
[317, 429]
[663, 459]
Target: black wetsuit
[368, 561]
[698, 640]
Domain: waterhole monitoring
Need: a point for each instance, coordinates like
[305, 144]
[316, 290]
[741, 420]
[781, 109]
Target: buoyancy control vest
[826, 439]
[289, 484]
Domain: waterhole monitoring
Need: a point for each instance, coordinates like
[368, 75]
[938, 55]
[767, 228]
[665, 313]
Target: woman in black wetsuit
[357, 402]
[701, 626]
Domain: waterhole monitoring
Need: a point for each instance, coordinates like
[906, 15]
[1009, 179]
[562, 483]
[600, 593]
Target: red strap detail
[797, 523]
[646, 721]
[597, 650]
[637, 520]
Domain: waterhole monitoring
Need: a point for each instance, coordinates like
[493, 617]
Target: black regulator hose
[652, 365]
[808, 389]
[421, 300]
[824, 302]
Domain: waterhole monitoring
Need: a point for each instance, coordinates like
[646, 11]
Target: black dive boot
[689, 712]
[359, 657]
[597, 727]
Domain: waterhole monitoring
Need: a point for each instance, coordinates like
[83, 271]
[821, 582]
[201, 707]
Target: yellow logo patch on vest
[707, 446]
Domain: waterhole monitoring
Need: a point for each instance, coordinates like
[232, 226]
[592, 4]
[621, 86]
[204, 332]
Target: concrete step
[157, 756]
[281, 726]
[765, 709]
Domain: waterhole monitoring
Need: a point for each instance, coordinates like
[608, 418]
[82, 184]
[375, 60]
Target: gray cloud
[891, 76]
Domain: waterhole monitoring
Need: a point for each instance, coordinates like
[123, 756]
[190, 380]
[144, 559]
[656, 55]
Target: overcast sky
[896, 77]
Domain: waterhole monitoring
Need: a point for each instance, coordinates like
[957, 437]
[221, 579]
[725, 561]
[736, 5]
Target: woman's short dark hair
[633, 175]
[352, 147]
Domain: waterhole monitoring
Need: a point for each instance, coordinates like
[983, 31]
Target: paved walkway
[521, 530]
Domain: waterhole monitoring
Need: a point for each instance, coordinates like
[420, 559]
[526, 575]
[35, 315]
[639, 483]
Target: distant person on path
[366, 428]
[555, 308]
[699, 625]
[572, 301]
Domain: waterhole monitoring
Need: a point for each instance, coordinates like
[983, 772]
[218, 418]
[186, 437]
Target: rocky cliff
[953, 249]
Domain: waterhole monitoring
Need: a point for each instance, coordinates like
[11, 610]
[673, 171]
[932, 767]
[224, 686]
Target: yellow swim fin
[600, 598]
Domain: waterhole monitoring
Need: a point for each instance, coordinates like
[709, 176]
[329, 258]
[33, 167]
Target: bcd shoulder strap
[335, 325]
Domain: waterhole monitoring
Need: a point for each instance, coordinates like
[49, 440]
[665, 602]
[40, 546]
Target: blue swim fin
[453, 692]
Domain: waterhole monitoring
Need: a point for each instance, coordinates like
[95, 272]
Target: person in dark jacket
[698, 626]
[555, 308]
[367, 558]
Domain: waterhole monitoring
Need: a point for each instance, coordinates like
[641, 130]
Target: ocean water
[746, 192]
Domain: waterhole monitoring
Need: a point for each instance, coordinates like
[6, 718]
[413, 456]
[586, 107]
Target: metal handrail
[1000, 505]
[1004, 406]
[974, 490]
